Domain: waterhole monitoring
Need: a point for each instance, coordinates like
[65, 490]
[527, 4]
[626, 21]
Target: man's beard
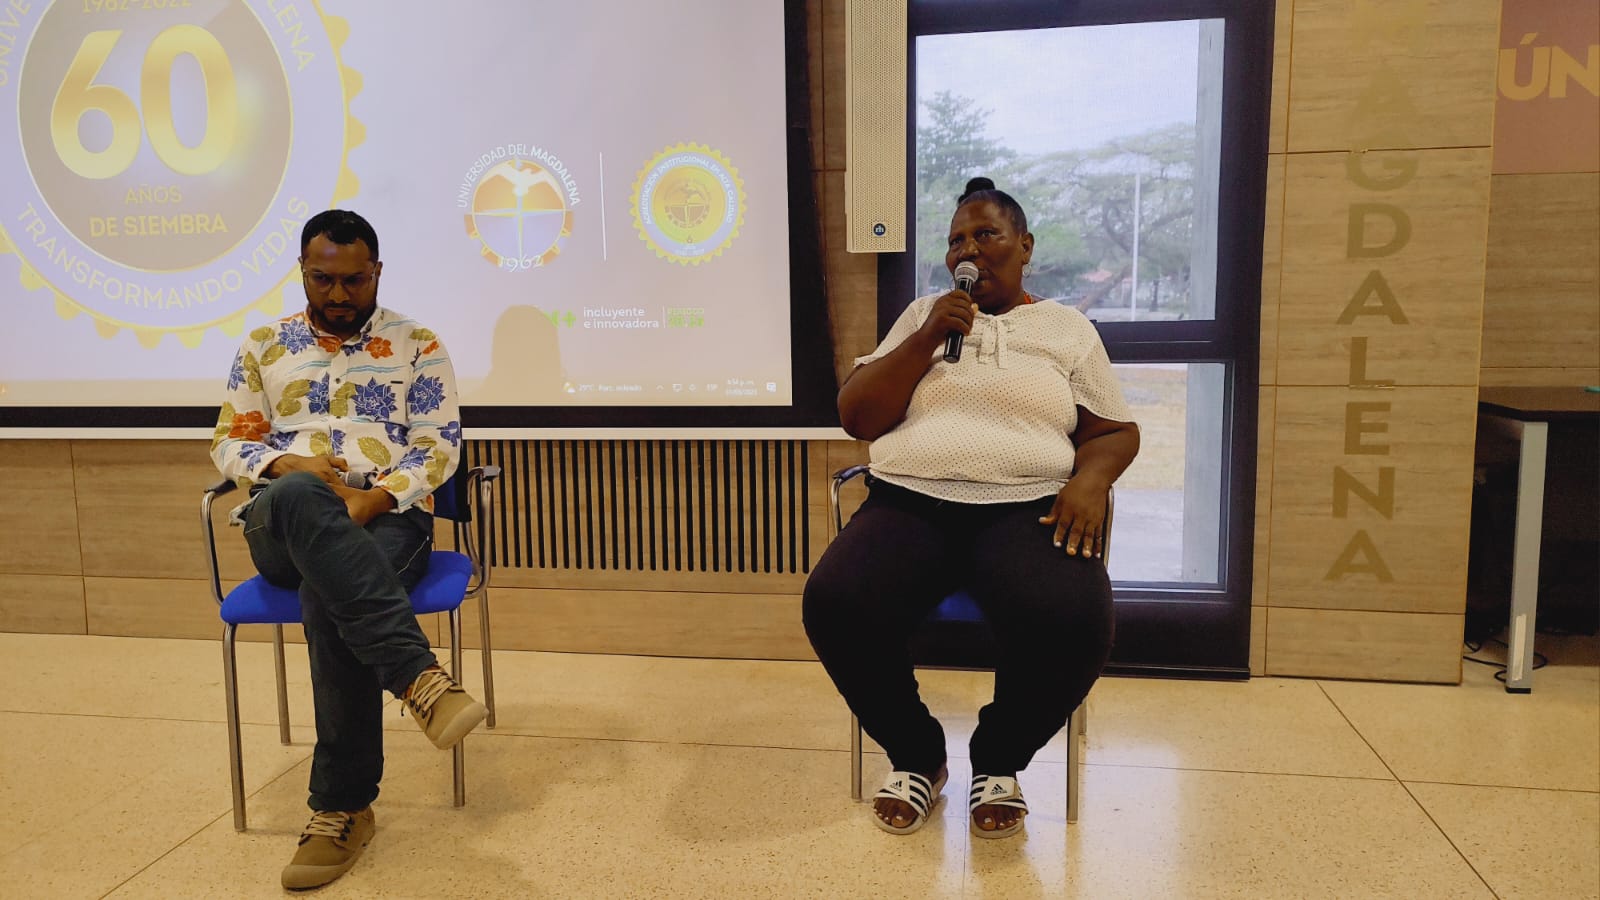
[341, 327]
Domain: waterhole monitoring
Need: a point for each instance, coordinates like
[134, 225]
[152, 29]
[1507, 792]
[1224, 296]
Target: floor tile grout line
[1048, 762]
[94, 805]
[1501, 787]
[800, 749]
[1404, 787]
[1236, 772]
[174, 719]
[214, 820]
[164, 854]
[1340, 710]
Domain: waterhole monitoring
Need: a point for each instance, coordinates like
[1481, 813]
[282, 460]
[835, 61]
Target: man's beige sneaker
[330, 844]
[445, 711]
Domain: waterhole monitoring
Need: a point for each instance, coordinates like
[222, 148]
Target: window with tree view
[1109, 138]
[1103, 135]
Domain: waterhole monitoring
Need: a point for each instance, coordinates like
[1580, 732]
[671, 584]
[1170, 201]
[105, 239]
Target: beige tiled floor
[636, 777]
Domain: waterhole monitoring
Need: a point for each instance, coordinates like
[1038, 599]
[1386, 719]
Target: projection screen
[589, 202]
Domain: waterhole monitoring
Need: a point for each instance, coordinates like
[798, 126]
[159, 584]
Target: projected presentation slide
[586, 201]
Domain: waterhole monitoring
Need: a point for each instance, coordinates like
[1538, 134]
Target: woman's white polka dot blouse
[994, 427]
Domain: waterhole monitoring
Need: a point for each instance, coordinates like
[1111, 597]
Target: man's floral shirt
[384, 400]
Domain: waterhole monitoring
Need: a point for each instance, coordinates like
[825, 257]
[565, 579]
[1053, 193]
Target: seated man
[344, 418]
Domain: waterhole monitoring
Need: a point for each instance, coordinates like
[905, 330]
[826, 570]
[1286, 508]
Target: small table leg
[1525, 557]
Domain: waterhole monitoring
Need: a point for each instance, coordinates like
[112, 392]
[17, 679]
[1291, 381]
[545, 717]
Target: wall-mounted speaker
[875, 126]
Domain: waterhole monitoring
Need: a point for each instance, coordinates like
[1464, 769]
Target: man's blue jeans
[361, 634]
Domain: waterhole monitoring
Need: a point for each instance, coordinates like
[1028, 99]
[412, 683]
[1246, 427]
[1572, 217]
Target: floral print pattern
[294, 389]
[252, 426]
[317, 398]
[425, 396]
[374, 400]
[452, 433]
[294, 334]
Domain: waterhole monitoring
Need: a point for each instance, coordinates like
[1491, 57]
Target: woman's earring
[1027, 269]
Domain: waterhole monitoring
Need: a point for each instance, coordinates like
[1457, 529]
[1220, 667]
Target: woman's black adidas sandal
[914, 790]
[996, 790]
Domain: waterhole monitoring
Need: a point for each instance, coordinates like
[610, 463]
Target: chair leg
[855, 757]
[458, 754]
[230, 693]
[488, 663]
[283, 685]
[1075, 727]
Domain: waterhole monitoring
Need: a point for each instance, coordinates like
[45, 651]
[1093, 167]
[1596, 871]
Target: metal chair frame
[1077, 725]
[470, 530]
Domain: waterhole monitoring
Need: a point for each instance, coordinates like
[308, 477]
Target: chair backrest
[452, 499]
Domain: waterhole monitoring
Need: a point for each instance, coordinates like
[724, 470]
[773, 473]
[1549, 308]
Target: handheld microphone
[966, 276]
[358, 480]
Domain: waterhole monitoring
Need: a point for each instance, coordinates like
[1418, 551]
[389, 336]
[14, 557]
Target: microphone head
[357, 480]
[966, 275]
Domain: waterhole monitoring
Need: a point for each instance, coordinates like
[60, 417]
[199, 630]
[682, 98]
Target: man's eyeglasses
[323, 282]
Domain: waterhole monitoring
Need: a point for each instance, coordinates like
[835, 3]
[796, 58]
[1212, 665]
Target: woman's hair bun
[975, 185]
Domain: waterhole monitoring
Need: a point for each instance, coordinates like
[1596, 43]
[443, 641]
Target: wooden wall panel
[1258, 640]
[1392, 73]
[1537, 377]
[852, 285]
[183, 608]
[1541, 306]
[139, 510]
[725, 626]
[42, 604]
[38, 518]
[1272, 268]
[1282, 56]
[154, 607]
[1435, 275]
[833, 92]
[691, 582]
[1374, 646]
[814, 77]
[1411, 75]
[1266, 424]
[1418, 534]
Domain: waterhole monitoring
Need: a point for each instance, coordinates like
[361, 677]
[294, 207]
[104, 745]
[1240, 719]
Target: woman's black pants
[904, 552]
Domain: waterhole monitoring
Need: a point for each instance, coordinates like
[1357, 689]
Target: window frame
[1194, 630]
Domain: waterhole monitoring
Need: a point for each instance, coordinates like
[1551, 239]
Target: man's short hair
[342, 227]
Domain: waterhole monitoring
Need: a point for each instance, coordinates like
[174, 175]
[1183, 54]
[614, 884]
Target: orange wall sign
[1547, 114]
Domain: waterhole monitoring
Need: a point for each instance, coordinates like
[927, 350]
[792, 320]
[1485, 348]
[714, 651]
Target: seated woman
[989, 473]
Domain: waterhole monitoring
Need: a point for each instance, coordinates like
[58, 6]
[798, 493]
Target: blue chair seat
[259, 602]
[958, 607]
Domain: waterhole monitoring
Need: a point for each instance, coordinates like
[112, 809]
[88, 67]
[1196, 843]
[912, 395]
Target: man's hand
[1079, 515]
[364, 506]
[327, 468]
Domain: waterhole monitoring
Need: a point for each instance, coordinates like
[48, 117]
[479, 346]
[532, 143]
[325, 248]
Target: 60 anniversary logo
[159, 202]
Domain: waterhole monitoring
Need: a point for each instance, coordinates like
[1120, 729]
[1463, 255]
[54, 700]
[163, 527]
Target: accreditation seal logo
[688, 203]
[519, 200]
[166, 153]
